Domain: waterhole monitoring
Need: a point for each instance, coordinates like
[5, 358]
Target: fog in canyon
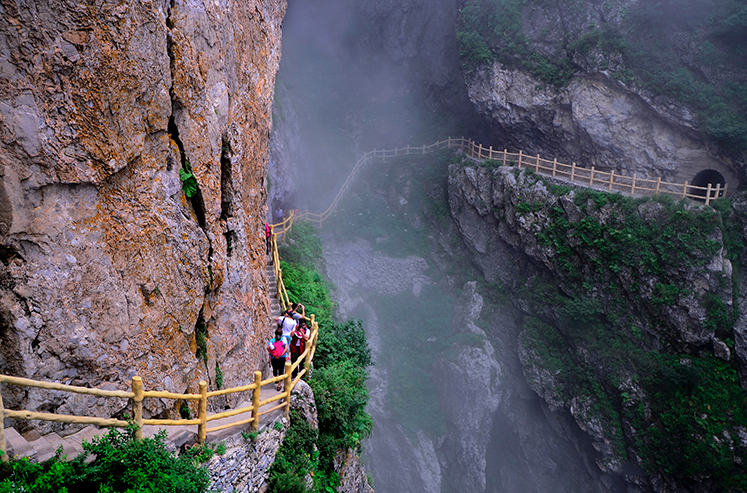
[450, 401]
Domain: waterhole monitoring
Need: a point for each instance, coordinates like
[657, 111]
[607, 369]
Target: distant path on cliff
[712, 188]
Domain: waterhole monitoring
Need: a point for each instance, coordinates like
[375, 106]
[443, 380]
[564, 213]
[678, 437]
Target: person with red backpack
[278, 349]
[299, 336]
[268, 235]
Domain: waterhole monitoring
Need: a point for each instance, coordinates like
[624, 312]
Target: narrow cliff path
[40, 448]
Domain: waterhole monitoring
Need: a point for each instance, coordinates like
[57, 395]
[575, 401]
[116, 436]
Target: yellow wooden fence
[136, 394]
[571, 173]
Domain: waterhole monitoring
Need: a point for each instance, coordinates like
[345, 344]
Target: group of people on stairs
[289, 341]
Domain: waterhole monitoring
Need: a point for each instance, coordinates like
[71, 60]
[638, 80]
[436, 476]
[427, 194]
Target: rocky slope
[449, 400]
[621, 85]
[626, 333]
[108, 269]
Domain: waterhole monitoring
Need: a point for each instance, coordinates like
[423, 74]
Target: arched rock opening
[703, 178]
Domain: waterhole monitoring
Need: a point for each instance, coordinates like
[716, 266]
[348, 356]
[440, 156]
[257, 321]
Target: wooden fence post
[591, 177]
[612, 179]
[137, 406]
[554, 166]
[573, 171]
[537, 164]
[287, 384]
[708, 195]
[684, 190]
[658, 184]
[256, 400]
[3, 446]
[505, 156]
[491, 153]
[202, 413]
[520, 153]
[718, 190]
[307, 361]
[632, 188]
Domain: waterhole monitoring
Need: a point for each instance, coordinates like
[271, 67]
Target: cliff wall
[626, 317]
[623, 85]
[108, 268]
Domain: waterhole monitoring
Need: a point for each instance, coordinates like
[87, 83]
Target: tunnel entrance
[703, 178]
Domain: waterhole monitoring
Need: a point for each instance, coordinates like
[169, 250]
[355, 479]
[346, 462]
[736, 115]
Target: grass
[339, 378]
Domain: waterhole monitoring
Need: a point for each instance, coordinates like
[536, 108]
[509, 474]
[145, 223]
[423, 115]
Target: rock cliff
[621, 85]
[626, 320]
[109, 269]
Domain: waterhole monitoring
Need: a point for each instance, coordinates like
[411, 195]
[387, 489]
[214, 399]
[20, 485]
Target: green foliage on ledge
[682, 414]
[674, 235]
[120, 464]
[339, 377]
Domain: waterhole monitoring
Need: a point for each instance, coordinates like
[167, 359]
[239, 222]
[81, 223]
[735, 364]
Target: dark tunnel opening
[703, 178]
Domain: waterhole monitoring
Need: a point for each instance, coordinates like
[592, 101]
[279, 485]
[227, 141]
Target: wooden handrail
[608, 180]
[138, 394]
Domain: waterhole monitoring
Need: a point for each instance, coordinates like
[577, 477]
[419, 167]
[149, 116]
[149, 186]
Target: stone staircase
[272, 289]
[40, 448]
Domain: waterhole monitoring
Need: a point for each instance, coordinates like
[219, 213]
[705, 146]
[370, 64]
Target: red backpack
[294, 343]
[278, 349]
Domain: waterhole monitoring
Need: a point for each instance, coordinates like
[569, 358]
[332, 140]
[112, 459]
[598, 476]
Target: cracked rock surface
[107, 268]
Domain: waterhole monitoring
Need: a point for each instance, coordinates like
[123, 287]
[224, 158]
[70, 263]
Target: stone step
[17, 446]
[44, 449]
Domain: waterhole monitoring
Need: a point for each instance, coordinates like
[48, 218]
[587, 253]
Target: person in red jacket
[299, 336]
[278, 349]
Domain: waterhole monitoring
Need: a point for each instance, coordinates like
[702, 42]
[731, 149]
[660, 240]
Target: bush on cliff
[675, 406]
[121, 464]
[339, 378]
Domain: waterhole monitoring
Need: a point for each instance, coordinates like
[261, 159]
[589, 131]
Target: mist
[451, 406]
[357, 76]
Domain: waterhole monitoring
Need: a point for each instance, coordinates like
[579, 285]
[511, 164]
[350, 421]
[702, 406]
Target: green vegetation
[201, 338]
[307, 286]
[592, 342]
[339, 378]
[685, 49]
[189, 182]
[306, 249]
[674, 235]
[218, 377]
[491, 30]
[120, 464]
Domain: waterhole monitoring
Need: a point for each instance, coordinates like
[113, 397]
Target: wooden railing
[136, 394]
[571, 173]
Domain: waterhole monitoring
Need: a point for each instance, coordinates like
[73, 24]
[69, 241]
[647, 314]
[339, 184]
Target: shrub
[302, 245]
[120, 464]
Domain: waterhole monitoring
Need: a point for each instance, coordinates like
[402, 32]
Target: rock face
[601, 105]
[595, 121]
[494, 212]
[469, 375]
[668, 309]
[108, 269]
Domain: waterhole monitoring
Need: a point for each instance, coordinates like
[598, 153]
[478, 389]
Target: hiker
[279, 215]
[294, 312]
[299, 336]
[287, 323]
[268, 235]
[278, 349]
